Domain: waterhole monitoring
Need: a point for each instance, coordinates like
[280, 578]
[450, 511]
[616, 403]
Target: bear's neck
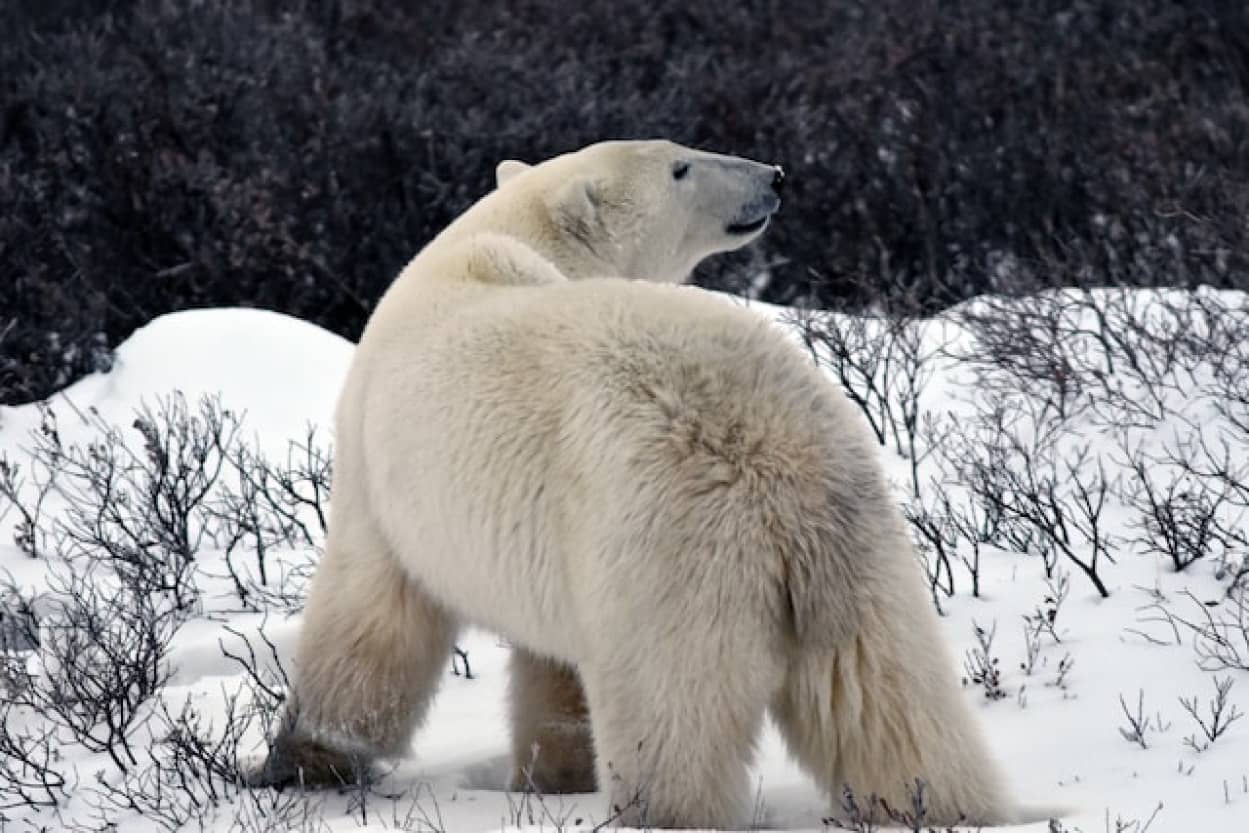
[575, 256]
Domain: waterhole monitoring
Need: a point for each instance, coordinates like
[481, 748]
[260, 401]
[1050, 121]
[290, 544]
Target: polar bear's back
[487, 435]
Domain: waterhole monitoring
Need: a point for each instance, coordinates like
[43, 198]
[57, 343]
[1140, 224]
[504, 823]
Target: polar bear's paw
[563, 771]
[303, 762]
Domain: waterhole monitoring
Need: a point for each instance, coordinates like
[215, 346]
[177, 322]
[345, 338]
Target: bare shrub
[30, 768]
[1044, 620]
[1179, 520]
[1226, 345]
[1120, 356]
[267, 680]
[86, 661]
[1213, 507]
[1139, 725]
[1037, 498]
[1219, 629]
[138, 509]
[30, 533]
[1223, 714]
[19, 624]
[1061, 672]
[883, 364]
[870, 813]
[982, 666]
[937, 544]
[1120, 824]
[1145, 340]
[1025, 343]
[190, 768]
[102, 657]
[262, 507]
[950, 532]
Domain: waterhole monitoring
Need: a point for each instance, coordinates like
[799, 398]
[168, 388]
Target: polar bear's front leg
[552, 746]
[372, 650]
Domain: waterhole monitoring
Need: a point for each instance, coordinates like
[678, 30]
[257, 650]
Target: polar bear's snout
[762, 200]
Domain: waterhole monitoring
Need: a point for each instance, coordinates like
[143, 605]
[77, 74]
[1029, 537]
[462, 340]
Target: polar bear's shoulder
[491, 258]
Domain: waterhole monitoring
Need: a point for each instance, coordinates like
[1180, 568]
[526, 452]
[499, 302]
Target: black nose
[778, 179]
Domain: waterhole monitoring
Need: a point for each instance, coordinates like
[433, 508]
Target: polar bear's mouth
[754, 215]
[748, 227]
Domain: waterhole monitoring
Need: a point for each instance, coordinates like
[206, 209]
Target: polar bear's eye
[680, 169]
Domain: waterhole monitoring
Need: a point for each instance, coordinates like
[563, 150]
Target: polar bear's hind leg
[552, 746]
[883, 712]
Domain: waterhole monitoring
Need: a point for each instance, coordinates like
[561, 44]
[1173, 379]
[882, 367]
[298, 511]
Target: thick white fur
[641, 482]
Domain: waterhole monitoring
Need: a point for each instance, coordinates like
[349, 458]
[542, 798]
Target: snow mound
[283, 372]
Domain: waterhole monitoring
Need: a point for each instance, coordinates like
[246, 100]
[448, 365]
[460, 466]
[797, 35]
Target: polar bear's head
[643, 209]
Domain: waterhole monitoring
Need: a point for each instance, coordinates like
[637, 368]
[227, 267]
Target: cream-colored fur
[641, 482]
[552, 743]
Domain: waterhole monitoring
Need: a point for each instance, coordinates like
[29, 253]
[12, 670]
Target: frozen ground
[1058, 730]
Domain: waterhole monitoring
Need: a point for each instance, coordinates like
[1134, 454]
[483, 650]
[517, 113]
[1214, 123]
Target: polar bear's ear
[576, 202]
[507, 169]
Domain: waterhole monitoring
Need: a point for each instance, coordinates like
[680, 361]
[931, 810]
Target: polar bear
[651, 492]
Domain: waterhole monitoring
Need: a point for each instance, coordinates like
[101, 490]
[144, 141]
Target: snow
[1060, 745]
[280, 371]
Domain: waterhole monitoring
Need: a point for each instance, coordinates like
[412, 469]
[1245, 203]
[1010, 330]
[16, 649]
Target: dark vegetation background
[163, 154]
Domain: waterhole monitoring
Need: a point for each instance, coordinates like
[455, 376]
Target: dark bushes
[160, 154]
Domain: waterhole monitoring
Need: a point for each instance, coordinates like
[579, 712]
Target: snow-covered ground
[1057, 731]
